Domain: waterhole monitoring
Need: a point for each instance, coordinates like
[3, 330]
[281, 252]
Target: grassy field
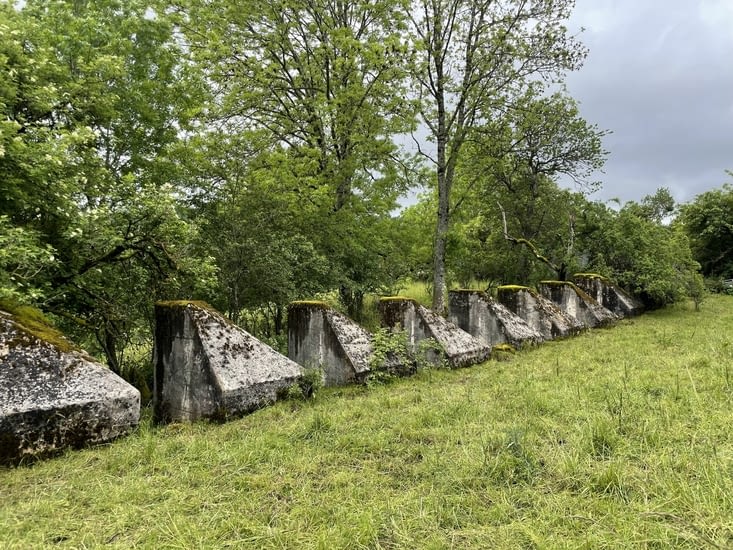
[617, 438]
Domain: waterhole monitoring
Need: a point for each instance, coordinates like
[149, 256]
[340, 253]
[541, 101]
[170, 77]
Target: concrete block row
[53, 396]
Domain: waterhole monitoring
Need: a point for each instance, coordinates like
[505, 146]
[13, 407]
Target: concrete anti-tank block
[460, 349]
[539, 312]
[207, 367]
[321, 337]
[483, 317]
[575, 302]
[54, 396]
[608, 294]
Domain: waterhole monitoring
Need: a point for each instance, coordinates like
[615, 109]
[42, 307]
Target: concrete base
[53, 396]
[484, 318]
[540, 313]
[608, 294]
[460, 349]
[206, 367]
[319, 336]
[577, 303]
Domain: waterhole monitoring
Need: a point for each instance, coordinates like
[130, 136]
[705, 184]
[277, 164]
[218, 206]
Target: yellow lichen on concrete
[318, 304]
[31, 321]
[514, 288]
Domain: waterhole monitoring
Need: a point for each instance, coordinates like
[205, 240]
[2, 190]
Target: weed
[306, 387]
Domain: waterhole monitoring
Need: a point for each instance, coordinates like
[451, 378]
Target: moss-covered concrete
[34, 324]
[321, 337]
[573, 301]
[207, 367]
[513, 288]
[486, 319]
[539, 312]
[608, 294]
[200, 304]
[53, 396]
[458, 348]
[308, 304]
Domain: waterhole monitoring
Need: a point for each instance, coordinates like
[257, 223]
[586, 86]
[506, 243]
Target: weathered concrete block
[608, 294]
[577, 303]
[319, 336]
[53, 396]
[460, 349]
[483, 317]
[207, 367]
[539, 312]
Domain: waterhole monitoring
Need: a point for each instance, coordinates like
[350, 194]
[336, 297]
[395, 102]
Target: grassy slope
[617, 438]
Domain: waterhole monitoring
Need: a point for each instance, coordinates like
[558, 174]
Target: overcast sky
[659, 75]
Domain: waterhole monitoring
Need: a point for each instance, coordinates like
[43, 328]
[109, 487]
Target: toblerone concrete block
[54, 396]
[491, 322]
[207, 367]
[577, 303]
[608, 294]
[459, 348]
[539, 312]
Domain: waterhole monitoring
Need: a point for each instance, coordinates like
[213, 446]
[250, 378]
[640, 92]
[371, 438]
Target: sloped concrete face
[319, 336]
[608, 294]
[577, 303]
[540, 313]
[53, 398]
[460, 349]
[206, 367]
[484, 318]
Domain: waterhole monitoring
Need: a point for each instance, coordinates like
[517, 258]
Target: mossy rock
[513, 288]
[185, 303]
[309, 304]
[33, 322]
[397, 299]
[590, 276]
[579, 291]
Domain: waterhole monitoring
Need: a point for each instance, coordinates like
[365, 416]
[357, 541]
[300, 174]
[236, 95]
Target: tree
[650, 259]
[473, 60]
[319, 86]
[513, 161]
[94, 96]
[708, 223]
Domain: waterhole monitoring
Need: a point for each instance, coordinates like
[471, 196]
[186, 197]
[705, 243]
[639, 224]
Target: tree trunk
[440, 284]
[278, 320]
[108, 341]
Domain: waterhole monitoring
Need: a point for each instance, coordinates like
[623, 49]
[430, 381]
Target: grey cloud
[659, 77]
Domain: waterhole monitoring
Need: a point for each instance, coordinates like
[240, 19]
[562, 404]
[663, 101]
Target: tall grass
[617, 438]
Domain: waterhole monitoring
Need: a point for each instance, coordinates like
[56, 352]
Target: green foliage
[647, 257]
[708, 223]
[23, 258]
[390, 349]
[93, 97]
[474, 62]
[298, 172]
[430, 354]
[308, 386]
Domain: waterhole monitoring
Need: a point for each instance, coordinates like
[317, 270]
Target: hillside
[616, 438]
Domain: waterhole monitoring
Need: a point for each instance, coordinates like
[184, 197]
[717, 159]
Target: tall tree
[94, 96]
[512, 163]
[474, 58]
[322, 83]
[708, 222]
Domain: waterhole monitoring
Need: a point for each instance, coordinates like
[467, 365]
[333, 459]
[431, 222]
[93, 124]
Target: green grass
[618, 438]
